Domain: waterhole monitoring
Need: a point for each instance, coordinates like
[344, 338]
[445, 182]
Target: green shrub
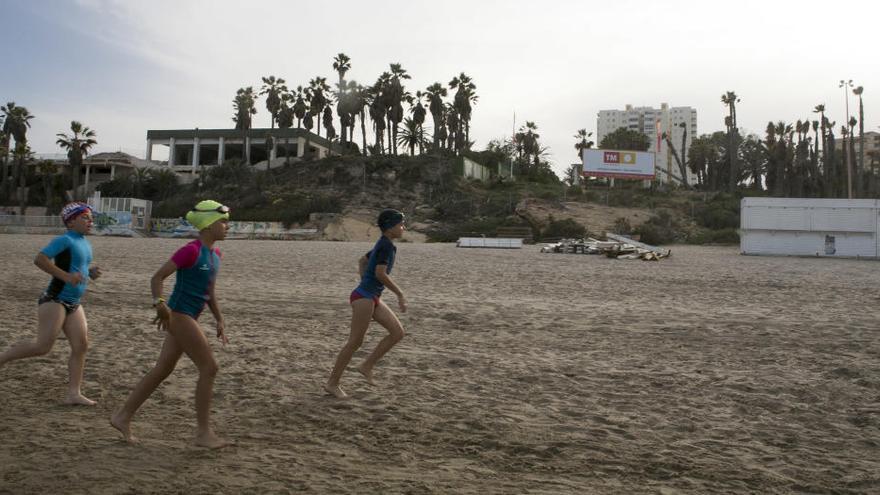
[662, 228]
[567, 229]
[723, 236]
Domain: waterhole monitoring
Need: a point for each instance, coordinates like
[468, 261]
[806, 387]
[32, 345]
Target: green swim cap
[206, 213]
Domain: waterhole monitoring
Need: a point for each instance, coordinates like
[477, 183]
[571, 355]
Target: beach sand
[522, 372]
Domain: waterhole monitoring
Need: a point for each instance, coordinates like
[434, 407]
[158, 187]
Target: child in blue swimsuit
[367, 305]
[58, 306]
[196, 265]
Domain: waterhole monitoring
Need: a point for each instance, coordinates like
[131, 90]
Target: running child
[58, 308]
[366, 303]
[196, 264]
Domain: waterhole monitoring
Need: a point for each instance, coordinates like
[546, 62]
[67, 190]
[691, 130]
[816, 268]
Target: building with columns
[191, 149]
[648, 120]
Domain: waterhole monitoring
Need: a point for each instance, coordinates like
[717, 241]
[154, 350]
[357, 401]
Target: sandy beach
[522, 372]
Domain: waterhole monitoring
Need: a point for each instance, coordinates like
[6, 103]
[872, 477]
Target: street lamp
[846, 85]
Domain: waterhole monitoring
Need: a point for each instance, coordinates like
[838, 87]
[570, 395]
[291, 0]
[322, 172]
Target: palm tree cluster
[524, 154]
[384, 105]
[791, 160]
[16, 171]
[16, 122]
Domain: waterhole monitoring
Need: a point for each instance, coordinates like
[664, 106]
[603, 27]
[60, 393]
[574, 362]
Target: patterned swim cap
[73, 210]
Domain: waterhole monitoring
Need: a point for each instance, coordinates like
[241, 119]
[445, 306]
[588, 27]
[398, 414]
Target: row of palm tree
[16, 121]
[800, 159]
[382, 103]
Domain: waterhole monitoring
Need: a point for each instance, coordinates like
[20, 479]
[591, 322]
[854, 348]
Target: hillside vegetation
[444, 206]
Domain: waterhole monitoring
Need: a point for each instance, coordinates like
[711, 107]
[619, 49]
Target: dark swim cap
[389, 218]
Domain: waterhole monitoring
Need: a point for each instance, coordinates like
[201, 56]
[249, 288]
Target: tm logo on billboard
[618, 157]
[618, 164]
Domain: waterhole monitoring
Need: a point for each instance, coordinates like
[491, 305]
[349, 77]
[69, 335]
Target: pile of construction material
[616, 246]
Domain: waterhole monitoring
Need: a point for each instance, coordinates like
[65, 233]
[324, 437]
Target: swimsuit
[72, 253]
[197, 268]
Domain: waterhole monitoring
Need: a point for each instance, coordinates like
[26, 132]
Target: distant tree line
[383, 106]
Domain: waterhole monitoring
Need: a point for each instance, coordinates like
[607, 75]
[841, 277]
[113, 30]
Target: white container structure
[839, 228]
[489, 242]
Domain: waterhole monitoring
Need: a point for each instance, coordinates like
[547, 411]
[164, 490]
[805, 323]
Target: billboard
[618, 164]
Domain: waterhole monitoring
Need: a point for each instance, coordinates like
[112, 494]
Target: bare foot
[124, 427]
[210, 440]
[335, 391]
[368, 374]
[79, 400]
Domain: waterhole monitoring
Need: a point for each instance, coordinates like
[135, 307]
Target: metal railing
[31, 221]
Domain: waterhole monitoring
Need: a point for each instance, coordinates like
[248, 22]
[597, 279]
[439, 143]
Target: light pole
[846, 85]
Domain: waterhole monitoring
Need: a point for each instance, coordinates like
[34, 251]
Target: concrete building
[190, 149]
[872, 147]
[99, 168]
[648, 120]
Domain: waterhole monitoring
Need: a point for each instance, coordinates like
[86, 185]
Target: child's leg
[192, 340]
[385, 317]
[50, 319]
[168, 358]
[76, 329]
[361, 314]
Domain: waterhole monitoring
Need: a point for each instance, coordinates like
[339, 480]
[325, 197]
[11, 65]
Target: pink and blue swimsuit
[197, 268]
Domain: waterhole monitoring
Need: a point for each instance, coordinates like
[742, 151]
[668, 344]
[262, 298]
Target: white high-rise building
[648, 121]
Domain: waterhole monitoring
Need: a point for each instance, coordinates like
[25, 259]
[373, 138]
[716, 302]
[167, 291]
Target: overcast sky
[122, 67]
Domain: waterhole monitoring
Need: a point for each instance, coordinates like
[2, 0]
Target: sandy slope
[521, 373]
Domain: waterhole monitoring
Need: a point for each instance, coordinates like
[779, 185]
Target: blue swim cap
[389, 218]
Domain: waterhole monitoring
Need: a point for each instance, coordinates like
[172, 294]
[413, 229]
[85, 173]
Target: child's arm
[383, 277]
[163, 313]
[218, 316]
[44, 263]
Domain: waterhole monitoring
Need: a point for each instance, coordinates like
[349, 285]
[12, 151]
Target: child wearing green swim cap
[196, 265]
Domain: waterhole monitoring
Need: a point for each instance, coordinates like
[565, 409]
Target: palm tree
[273, 89]
[826, 166]
[47, 170]
[583, 143]
[453, 124]
[308, 123]
[78, 146]
[299, 106]
[527, 140]
[285, 121]
[4, 155]
[378, 111]
[244, 105]
[328, 123]
[730, 99]
[411, 135]
[394, 96]
[464, 95]
[419, 112]
[435, 94]
[16, 123]
[360, 103]
[22, 155]
[342, 64]
[347, 108]
[860, 188]
[852, 152]
[318, 101]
